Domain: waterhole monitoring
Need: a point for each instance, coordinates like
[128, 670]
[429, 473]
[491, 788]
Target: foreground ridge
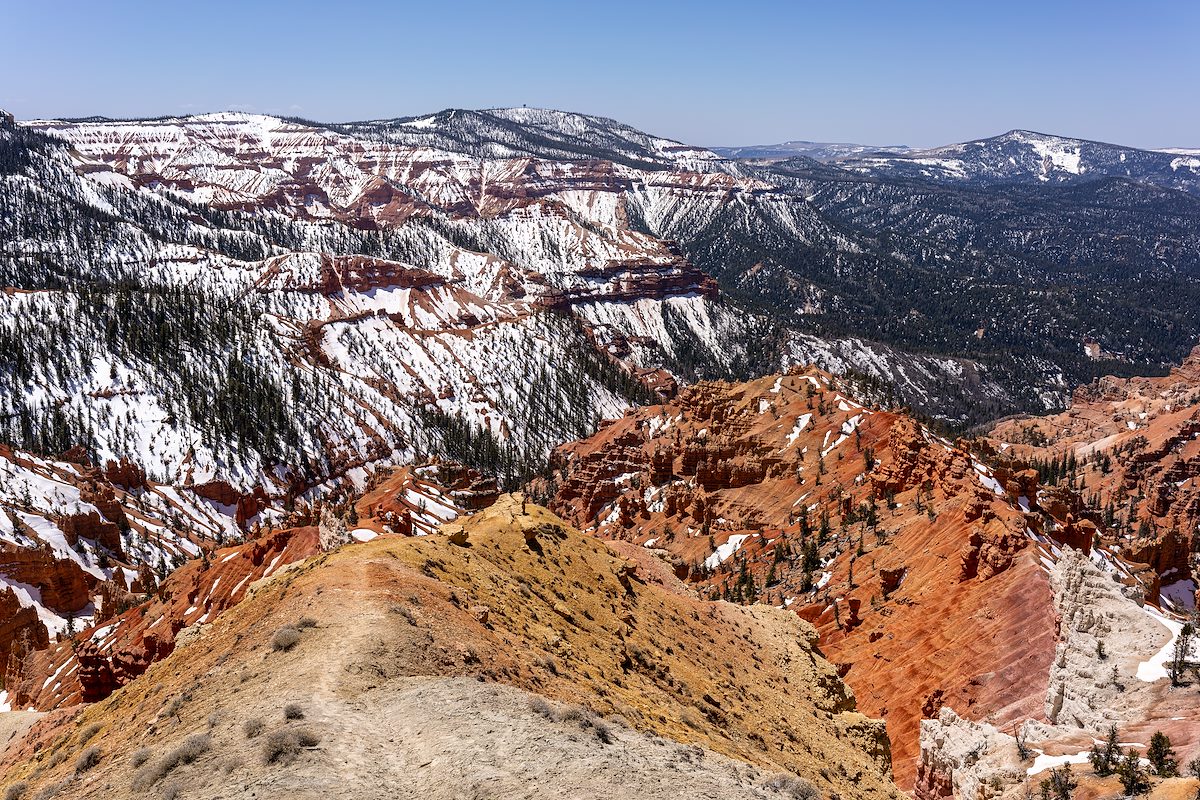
[462, 660]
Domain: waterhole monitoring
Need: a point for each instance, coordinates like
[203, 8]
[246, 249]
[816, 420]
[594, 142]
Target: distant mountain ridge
[543, 133]
[1021, 156]
[1013, 157]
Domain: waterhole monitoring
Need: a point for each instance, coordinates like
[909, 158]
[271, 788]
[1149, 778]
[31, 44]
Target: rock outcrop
[76, 541]
[61, 584]
[966, 760]
[923, 580]
[1133, 444]
[1103, 636]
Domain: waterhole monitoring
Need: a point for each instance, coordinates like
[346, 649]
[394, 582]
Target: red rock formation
[20, 629]
[90, 526]
[930, 586]
[195, 593]
[125, 474]
[245, 505]
[63, 585]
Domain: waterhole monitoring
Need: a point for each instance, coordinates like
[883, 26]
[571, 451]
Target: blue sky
[918, 73]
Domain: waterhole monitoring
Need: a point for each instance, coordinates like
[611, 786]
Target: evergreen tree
[1060, 785]
[1133, 778]
[1105, 758]
[1161, 756]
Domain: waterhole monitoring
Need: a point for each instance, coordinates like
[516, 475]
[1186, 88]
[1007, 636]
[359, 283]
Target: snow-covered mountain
[213, 324]
[542, 133]
[483, 222]
[1024, 156]
[358, 286]
[324, 298]
[239, 313]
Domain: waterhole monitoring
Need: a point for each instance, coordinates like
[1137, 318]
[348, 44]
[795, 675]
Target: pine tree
[1161, 756]
[1179, 656]
[1060, 785]
[1104, 759]
[1132, 776]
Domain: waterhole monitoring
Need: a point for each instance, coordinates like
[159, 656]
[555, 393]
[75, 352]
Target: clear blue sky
[747, 72]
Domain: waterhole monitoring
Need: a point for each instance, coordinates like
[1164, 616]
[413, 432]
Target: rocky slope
[513, 653]
[1128, 447]
[937, 573]
[123, 637]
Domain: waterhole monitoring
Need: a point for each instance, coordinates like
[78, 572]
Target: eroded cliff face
[102, 658]
[1110, 669]
[130, 632]
[560, 225]
[1119, 506]
[925, 565]
[966, 759]
[1102, 636]
[915, 564]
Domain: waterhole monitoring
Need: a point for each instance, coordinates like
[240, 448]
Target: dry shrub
[282, 747]
[190, 749]
[792, 787]
[577, 714]
[285, 639]
[87, 759]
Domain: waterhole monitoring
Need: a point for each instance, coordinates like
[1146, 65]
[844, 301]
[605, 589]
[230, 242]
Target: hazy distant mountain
[818, 151]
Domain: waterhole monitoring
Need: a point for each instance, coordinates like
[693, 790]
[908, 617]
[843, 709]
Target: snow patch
[724, 551]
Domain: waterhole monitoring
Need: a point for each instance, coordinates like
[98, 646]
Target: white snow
[848, 427]
[1044, 762]
[801, 423]
[1059, 154]
[725, 550]
[1180, 594]
[363, 534]
[424, 122]
[985, 477]
[1156, 667]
